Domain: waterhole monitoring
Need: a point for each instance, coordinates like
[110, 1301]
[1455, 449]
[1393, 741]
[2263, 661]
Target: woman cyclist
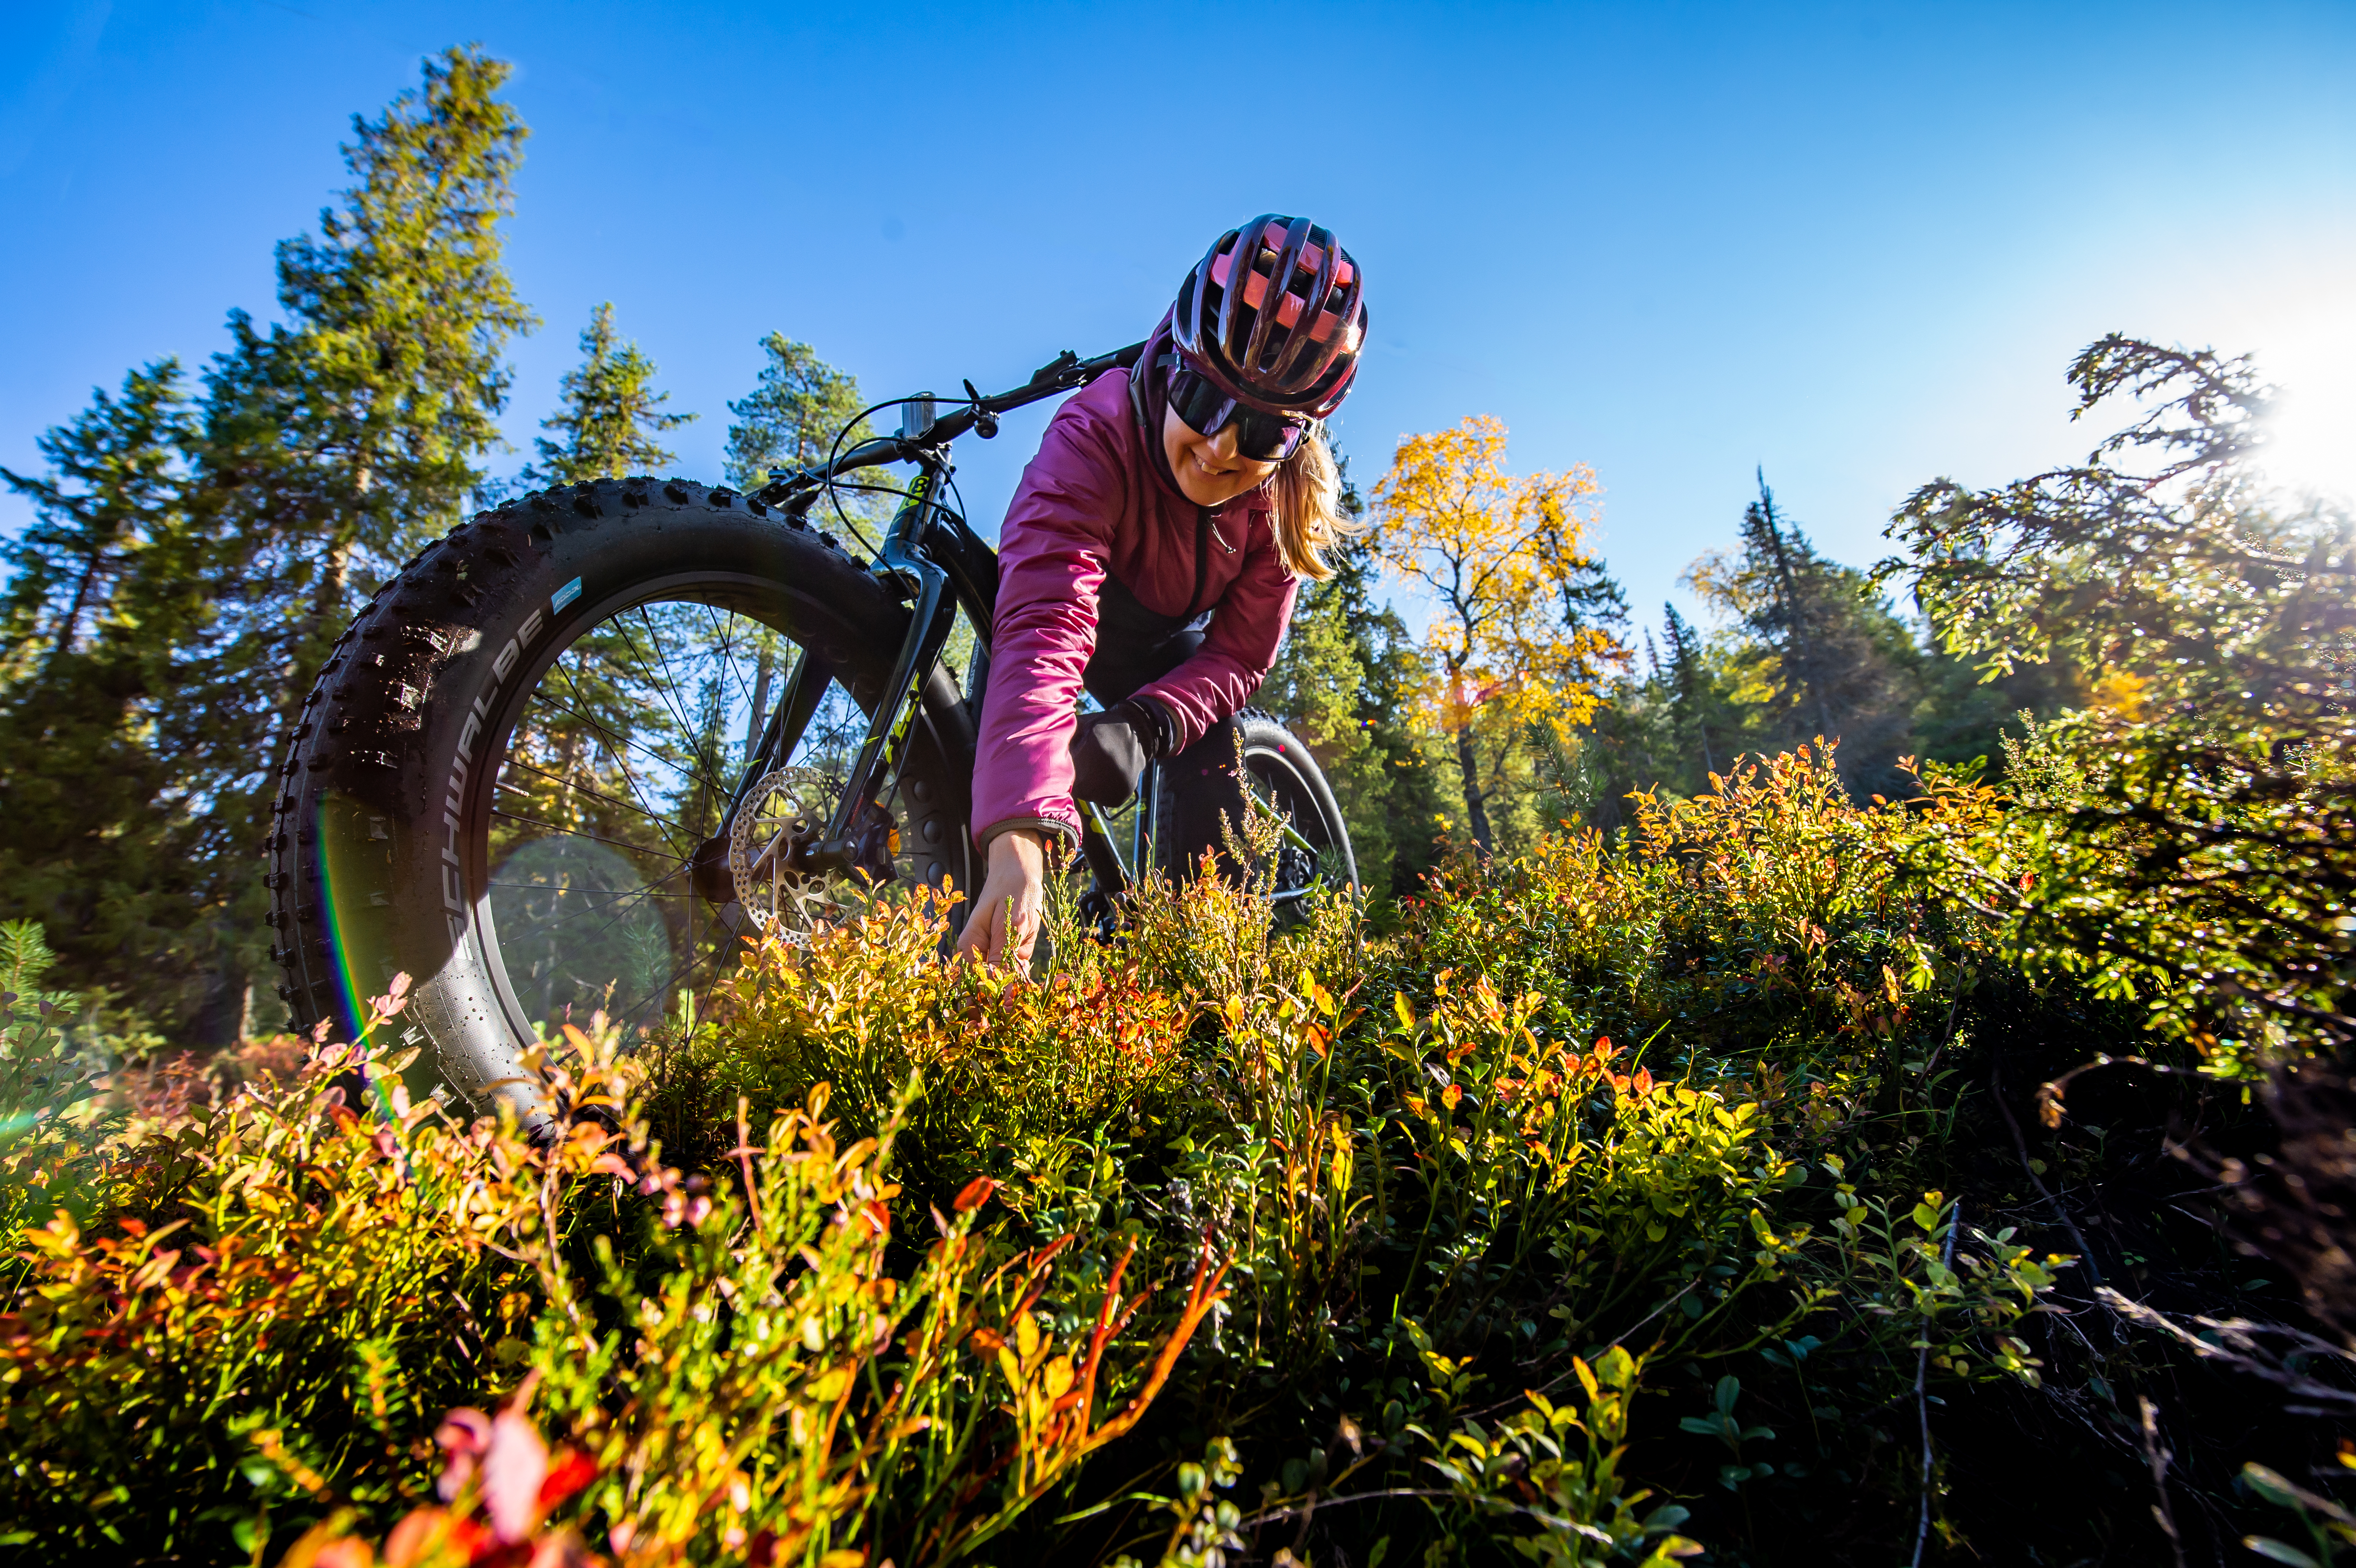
[1151, 556]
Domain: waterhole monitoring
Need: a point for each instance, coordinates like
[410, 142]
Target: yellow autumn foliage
[1506, 562]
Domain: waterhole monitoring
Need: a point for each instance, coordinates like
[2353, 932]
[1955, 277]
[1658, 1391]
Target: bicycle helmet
[1297, 359]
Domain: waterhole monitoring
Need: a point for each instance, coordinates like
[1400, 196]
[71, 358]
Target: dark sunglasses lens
[1198, 402]
[1265, 438]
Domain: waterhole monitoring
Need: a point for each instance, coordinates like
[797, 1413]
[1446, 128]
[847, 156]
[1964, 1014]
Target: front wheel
[513, 779]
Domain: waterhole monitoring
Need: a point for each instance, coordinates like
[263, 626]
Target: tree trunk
[1476, 810]
[760, 703]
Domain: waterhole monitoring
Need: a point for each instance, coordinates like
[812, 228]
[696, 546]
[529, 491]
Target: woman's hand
[1004, 921]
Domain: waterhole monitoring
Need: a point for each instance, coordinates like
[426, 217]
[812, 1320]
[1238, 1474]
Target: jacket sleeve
[1052, 554]
[1242, 643]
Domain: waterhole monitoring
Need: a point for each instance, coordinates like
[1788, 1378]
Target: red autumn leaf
[567, 1472]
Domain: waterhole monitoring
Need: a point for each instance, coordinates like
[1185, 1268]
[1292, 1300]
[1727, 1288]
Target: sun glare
[2311, 433]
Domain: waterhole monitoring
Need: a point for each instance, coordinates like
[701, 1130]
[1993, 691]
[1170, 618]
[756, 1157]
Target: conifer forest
[1859, 1075]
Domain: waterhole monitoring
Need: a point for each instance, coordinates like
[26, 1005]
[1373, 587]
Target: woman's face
[1209, 469]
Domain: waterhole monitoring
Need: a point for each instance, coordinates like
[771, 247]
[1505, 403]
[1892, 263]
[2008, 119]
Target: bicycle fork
[859, 838]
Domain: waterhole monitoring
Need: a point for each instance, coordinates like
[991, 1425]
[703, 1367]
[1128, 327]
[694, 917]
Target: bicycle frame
[932, 562]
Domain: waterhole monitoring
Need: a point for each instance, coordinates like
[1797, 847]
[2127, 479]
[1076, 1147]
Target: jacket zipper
[1202, 559]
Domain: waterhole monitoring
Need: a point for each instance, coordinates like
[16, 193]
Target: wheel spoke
[606, 913]
[668, 689]
[605, 732]
[619, 761]
[599, 795]
[555, 831]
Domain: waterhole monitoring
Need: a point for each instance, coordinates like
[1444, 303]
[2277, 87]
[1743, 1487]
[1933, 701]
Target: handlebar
[1066, 372]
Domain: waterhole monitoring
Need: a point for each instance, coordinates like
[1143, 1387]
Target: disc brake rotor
[784, 808]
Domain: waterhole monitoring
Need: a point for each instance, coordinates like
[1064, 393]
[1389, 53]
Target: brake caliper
[875, 845]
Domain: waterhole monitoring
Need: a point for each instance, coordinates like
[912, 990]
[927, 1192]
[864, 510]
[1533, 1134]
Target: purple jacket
[1098, 499]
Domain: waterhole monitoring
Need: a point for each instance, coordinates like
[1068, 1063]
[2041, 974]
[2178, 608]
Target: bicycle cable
[833, 484]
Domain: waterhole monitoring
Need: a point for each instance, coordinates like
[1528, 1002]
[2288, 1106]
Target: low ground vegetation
[1684, 1199]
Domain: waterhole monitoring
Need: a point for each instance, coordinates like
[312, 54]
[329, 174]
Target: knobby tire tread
[382, 746]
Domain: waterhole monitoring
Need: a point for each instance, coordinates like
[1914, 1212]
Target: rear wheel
[1312, 848]
[512, 779]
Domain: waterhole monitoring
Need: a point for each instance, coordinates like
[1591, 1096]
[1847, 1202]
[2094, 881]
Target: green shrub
[899, 1258]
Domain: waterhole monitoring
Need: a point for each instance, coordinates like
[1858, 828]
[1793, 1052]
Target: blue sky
[1854, 244]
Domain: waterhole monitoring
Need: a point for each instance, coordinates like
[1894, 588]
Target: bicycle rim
[617, 762]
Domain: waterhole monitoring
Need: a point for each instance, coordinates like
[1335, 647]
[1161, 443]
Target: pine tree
[612, 416]
[192, 569]
[1819, 653]
[793, 415]
[105, 586]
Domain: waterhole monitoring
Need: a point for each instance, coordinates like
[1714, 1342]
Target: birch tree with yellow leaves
[1520, 641]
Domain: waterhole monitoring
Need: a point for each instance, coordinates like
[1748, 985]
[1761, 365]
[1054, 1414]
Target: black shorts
[1200, 792]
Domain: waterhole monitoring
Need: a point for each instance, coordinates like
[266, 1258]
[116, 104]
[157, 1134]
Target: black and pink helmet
[1297, 359]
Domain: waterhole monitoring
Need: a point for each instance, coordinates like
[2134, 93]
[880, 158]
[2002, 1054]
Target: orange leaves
[1052, 1383]
[1055, 1398]
[1597, 1063]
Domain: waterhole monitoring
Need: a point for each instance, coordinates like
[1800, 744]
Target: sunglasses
[1207, 411]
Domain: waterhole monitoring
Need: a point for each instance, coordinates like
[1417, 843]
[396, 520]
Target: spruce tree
[190, 571]
[798, 409]
[1819, 654]
[347, 436]
[1689, 685]
[793, 415]
[612, 417]
[105, 587]
[1346, 681]
[114, 489]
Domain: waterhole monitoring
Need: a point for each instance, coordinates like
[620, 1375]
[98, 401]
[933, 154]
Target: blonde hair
[1308, 520]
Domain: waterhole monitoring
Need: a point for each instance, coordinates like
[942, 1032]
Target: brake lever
[1053, 368]
[985, 423]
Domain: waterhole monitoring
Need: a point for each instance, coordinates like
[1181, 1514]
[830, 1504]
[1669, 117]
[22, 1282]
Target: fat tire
[380, 839]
